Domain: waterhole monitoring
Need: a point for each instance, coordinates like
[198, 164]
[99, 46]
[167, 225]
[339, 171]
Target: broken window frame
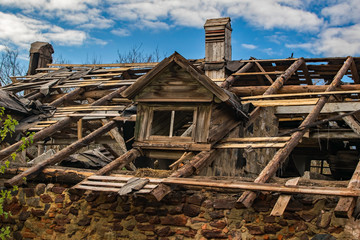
[172, 109]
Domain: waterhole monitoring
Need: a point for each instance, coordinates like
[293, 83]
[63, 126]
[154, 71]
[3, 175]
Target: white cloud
[122, 32]
[248, 46]
[334, 42]
[21, 31]
[343, 12]
[262, 13]
[269, 14]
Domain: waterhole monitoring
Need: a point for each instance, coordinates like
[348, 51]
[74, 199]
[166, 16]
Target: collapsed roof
[302, 115]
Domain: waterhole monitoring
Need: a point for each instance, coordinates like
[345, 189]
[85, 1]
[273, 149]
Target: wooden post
[59, 125]
[19, 179]
[79, 128]
[248, 197]
[346, 205]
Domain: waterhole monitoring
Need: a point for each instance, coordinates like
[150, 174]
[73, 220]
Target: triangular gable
[186, 66]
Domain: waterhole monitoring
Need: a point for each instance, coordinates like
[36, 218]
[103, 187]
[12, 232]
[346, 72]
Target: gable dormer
[175, 101]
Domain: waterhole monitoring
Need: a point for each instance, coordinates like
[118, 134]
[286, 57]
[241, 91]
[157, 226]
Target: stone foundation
[54, 212]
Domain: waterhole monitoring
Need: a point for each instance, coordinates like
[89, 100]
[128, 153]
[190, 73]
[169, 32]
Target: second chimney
[217, 46]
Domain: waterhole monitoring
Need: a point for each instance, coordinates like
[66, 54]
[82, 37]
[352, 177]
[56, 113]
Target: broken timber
[59, 156]
[248, 197]
[57, 126]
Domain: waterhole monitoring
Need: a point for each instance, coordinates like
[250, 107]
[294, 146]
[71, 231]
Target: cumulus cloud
[332, 25]
[334, 42]
[121, 32]
[262, 13]
[344, 12]
[248, 46]
[21, 31]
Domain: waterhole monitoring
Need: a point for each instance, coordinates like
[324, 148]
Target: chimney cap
[218, 22]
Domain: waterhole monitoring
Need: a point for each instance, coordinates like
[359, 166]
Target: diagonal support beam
[267, 76]
[59, 156]
[354, 73]
[306, 74]
[277, 84]
[6, 152]
[248, 197]
[231, 79]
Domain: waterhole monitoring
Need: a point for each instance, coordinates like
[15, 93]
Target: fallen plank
[283, 200]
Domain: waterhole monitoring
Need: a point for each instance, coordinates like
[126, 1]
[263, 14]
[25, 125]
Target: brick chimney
[217, 46]
[40, 56]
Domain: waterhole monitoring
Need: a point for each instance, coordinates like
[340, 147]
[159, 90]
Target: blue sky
[81, 30]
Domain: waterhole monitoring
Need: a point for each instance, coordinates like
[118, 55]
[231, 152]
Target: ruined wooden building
[285, 126]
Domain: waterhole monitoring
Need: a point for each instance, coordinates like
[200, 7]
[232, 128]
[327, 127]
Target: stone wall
[54, 212]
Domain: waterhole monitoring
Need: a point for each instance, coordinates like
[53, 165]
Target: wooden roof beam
[354, 73]
[267, 76]
[59, 156]
[248, 197]
[59, 125]
[278, 84]
[307, 74]
[231, 79]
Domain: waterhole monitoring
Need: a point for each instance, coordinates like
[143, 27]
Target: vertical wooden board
[202, 123]
[142, 120]
[228, 45]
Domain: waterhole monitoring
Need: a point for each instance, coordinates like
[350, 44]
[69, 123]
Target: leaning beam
[248, 197]
[59, 156]
[59, 125]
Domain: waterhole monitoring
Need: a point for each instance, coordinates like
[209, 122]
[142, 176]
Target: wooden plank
[112, 184]
[257, 139]
[173, 145]
[100, 189]
[257, 73]
[328, 108]
[120, 178]
[269, 187]
[300, 94]
[257, 90]
[307, 74]
[352, 123]
[79, 129]
[283, 200]
[287, 102]
[249, 145]
[105, 65]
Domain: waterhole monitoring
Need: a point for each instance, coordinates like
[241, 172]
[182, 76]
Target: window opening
[171, 123]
